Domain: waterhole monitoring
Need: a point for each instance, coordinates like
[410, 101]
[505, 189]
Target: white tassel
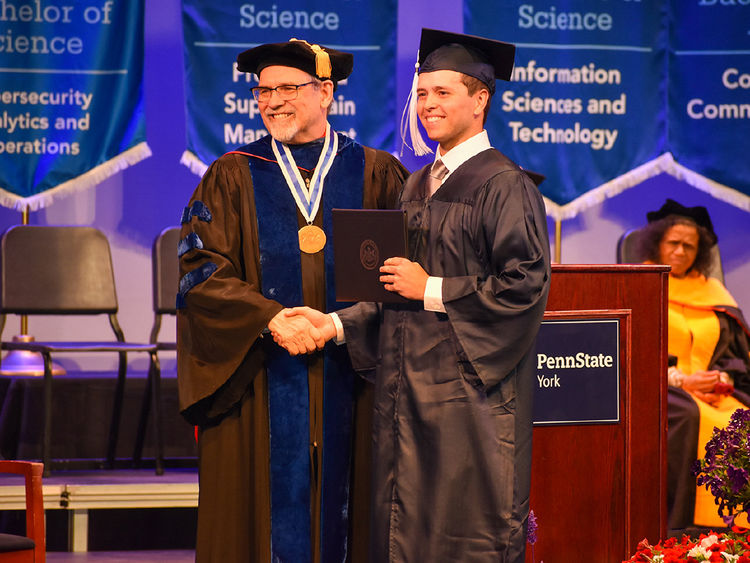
[410, 120]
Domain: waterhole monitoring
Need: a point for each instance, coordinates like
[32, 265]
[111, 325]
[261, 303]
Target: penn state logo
[369, 255]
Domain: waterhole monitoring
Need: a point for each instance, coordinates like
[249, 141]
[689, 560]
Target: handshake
[301, 330]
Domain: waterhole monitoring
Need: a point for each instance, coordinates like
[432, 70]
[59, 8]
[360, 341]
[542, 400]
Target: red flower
[643, 544]
[673, 550]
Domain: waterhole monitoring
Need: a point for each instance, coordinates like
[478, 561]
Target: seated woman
[708, 345]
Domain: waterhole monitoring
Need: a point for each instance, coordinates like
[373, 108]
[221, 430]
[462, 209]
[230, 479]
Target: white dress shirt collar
[464, 151]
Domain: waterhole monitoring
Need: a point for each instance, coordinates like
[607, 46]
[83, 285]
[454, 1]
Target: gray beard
[282, 133]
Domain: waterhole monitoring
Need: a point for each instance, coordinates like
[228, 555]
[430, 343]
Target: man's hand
[320, 321]
[295, 334]
[406, 278]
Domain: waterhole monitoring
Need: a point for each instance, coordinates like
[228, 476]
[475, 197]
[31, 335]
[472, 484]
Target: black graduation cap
[536, 177]
[484, 59]
[321, 62]
[481, 58]
[699, 214]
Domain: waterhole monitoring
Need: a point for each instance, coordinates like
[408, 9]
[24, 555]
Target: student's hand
[321, 321]
[295, 334]
[405, 277]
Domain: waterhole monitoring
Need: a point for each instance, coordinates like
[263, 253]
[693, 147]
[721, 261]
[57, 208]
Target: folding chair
[165, 279]
[46, 270]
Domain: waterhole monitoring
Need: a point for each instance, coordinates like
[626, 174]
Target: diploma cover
[362, 240]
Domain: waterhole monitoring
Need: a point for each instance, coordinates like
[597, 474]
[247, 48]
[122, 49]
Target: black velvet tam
[699, 214]
[298, 54]
[484, 59]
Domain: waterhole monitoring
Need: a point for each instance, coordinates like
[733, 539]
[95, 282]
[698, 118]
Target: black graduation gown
[452, 418]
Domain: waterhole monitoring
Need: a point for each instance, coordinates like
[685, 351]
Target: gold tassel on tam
[322, 60]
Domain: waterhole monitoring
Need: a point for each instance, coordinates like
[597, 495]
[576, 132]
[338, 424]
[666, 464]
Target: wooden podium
[598, 489]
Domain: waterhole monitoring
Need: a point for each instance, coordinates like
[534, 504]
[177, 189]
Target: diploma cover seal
[369, 254]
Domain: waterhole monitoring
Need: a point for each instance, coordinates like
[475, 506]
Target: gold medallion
[312, 239]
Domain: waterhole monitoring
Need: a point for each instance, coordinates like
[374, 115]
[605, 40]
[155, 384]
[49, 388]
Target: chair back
[47, 270]
[34, 550]
[166, 274]
[166, 278]
[628, 248]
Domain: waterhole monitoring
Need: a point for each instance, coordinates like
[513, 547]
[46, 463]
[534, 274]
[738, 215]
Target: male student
[453, 367]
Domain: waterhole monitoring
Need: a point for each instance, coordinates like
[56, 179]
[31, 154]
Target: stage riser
[116, 529]
[111, 510]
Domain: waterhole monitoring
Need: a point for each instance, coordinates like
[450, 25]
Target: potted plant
[725, 471]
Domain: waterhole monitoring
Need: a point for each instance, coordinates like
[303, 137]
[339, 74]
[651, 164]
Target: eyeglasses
[286, 91]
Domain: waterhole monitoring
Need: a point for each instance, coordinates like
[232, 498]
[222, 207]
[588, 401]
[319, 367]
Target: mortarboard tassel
[410, 120]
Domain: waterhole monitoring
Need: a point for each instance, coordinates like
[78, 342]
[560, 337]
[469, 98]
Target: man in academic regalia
[454, 366]
[276, 429]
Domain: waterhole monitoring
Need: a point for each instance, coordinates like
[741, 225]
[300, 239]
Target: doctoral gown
[706, 332]
[453, 391]
[223, 308]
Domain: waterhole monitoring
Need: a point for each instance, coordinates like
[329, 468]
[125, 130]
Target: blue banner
[587, 99]
[220, 110]
[709, 89]
[71, 100]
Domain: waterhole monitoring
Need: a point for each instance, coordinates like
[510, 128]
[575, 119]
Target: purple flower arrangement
[531, 533]
[724, 470]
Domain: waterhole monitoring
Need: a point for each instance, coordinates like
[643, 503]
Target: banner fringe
[194, 164]
[88, 179]
[553, 210]
[617, 186]
[715, 189]
[664, 163]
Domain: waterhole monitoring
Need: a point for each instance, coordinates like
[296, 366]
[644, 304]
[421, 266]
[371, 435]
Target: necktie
[437, 173]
